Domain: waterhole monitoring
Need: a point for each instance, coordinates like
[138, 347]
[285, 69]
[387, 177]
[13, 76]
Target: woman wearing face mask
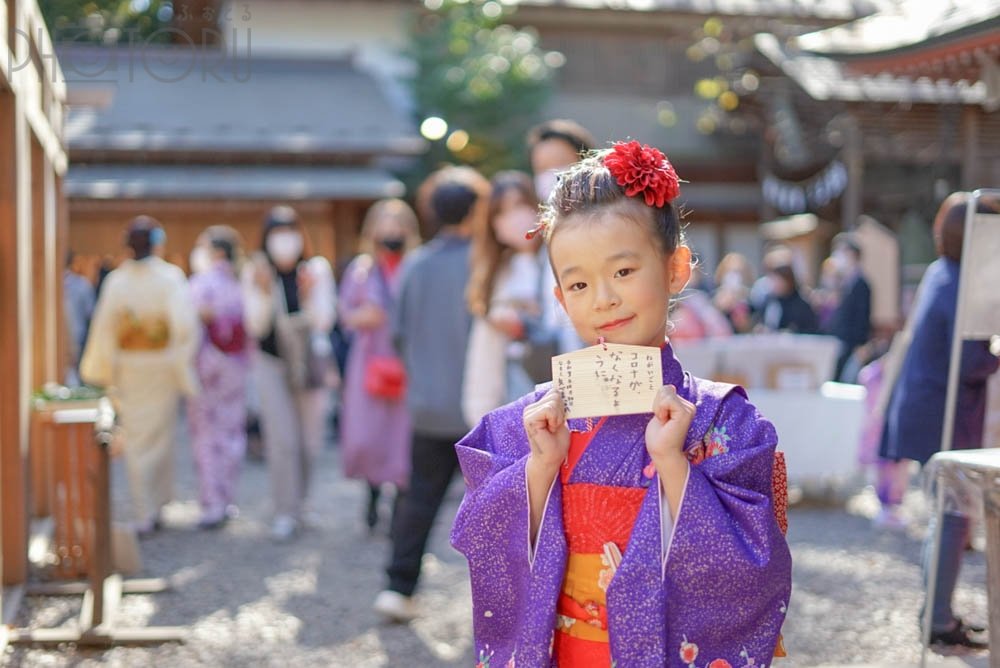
[733, 278]
[141, 347]
[504, 286]
[374, 421]
[553, 147]
[217, 418]
[786, 310]
[289, 309]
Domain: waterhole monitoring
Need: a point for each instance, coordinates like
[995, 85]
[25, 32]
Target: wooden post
[970, 148]
[13, 470]
[854, 157]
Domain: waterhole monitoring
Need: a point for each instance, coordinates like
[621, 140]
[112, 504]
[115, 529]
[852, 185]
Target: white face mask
[545, 182]
[285, 248]
[201, 260]
[732, 280]
[512, 225]
[843, 261]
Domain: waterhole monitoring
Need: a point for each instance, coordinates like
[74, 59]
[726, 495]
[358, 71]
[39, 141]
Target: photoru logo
[210, 57]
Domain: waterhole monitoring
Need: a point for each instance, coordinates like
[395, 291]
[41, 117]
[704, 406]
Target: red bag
[385, 378]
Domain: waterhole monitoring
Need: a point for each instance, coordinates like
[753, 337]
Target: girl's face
[613, 279]
[514, 219]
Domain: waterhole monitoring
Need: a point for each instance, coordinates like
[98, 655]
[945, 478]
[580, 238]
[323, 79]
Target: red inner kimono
[598, 522]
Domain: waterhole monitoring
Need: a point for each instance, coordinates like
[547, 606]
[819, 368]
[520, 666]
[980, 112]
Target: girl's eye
[576, 287]
[622, 273]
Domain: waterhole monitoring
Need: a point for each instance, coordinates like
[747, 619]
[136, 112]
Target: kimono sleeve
[355, 290]
[511, 604]
[185, 331]
[97, 365]
[728, 571]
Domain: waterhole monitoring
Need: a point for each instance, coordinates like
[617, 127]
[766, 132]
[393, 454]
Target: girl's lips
[615, 324]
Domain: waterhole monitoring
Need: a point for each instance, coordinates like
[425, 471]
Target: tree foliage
[108, 21]
[484, 77]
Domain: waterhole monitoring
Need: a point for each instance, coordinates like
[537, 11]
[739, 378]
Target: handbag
[385, 377]
[305, 367]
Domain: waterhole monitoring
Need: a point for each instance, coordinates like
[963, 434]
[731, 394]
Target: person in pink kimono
[374, 422]
[217, 418]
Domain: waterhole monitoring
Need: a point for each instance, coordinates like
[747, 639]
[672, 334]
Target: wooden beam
[13, 469]
[971, 178]
[854, 158]
[39, 280]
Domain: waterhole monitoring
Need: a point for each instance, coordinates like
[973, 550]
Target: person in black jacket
[785, 308]
[851, 321]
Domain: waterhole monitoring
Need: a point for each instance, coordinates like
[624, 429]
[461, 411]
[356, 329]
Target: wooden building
[197, 135]
[906, 99]
[629, 71]
[33, 230]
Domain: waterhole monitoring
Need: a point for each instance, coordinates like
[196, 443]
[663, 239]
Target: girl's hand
[668, 428]
[548, 434]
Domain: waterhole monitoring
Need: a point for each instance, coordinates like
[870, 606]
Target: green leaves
[482, 76]
[108, 21]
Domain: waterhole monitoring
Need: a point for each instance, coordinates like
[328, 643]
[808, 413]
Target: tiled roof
[248, 182]
[195, 100]
[906, 25]
[619, 117]
[845, 10]
[825, 78]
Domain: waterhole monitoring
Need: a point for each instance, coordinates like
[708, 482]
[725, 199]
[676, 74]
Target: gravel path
[249, 602]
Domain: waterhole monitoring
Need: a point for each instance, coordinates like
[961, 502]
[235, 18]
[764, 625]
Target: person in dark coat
[915, 416]
[851, 321]
[785, 309]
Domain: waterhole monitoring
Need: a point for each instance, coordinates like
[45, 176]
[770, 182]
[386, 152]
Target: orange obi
[598, 522]
[142, 333]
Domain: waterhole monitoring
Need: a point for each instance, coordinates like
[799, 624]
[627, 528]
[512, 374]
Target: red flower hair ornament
[643, 170]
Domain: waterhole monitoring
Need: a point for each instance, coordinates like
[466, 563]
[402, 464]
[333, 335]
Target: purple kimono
[217, 416]
[722, 591]
[374, 432]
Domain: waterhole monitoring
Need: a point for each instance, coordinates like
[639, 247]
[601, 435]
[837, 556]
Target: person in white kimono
[141, 348]
[289, 309]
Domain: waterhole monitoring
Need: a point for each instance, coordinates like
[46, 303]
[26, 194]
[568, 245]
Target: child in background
[217, 417]
[505, 284]
[646, 539]
[892, 477]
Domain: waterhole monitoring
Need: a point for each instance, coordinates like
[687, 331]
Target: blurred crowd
[416, 340]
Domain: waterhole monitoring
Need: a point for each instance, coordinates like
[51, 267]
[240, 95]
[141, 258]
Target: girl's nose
[607, 298]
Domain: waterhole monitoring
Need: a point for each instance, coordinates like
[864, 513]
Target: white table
[817, 430]
[970, 481]
[786, 375]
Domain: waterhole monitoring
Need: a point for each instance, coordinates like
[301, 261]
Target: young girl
[503, 285]
[641, 540]
[217, 417]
